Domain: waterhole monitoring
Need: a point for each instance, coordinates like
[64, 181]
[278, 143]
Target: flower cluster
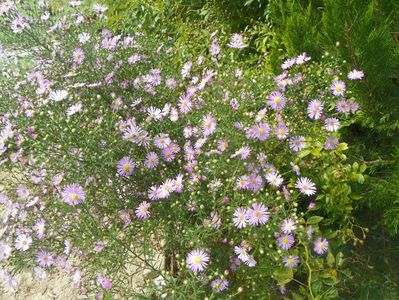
[215, 164]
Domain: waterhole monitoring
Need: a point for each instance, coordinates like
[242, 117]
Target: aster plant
[236, 178]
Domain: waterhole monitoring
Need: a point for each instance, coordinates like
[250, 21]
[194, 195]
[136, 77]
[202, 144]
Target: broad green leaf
[360, 178]
[340, 259]
[283, 276]
[330, 259]
[314, 220]
[363, 168]
[304, 153]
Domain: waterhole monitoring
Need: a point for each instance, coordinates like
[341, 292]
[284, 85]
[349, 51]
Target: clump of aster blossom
[216, 154]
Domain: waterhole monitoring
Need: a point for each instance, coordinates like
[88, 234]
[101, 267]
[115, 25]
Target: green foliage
[358, 31]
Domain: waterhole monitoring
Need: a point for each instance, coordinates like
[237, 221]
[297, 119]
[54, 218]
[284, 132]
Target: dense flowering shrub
[116, 156]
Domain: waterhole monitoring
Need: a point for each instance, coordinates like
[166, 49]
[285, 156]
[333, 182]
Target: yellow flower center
[74, 197]
[126, 167]
[277, 100]
[197, 260]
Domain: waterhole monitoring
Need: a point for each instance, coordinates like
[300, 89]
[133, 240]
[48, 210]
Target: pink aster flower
[295, 168]
[151, 160]
[343, 106]
[244, 152]
[242, 253]
[331, 143]
[222, 145]
[171, 84]
[258, 214]
[5, 251]
[240, 217]
[109, 43]
[154, 193]
[117, 104]
[78, 56]
[162, 141]
[338, 88]
[83, 37]
[39, 228]
[22, 192]
[125, 217]
[320, 246]
[125, 167]
[214, 49]
[354, 106]
[73, 194]
[208, 125]
[178, 183]
[219, 285]
[197, 260]
[185, 105]
[315, 109]
[45, 259]
[186, 69]
[76, 277]
[282, 131]
[168, 154]
[242, 182]
[255, 182]
[288, 225]
[58, 95]
[331, 124]
[105, 282]
[288, 63]
[286, 193]
[142, 211]
[237, 41]
[191, 205]
[276, 101]
[306, 186]
[286, 241]
[302, 58]
[274, 179]
[297, 143]
[167, 187]
[40, 272]
[260, 131]
[291, 261]
[355, 74]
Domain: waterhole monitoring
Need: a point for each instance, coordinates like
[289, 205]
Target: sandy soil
[55, 287]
